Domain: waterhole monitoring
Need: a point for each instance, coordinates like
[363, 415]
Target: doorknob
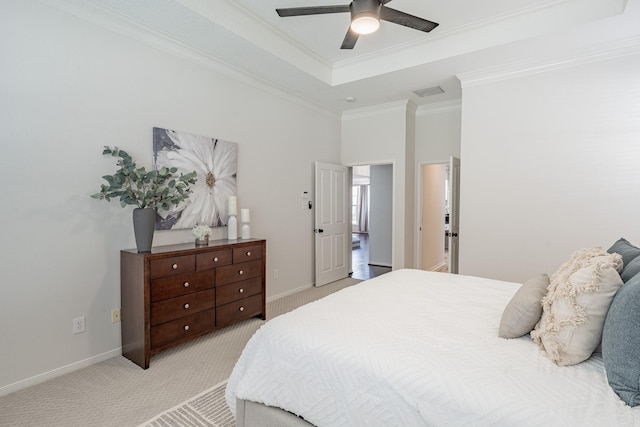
[319, 230]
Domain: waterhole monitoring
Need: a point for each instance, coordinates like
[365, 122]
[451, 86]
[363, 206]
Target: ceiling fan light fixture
[365, 23]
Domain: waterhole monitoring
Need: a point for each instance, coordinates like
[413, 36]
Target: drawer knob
[248, 253]
[174, 266]
[215, 259]
[186, 305]
[241, 308]
[241, 290]
[241, 272]
[186, 327]
[185, 284]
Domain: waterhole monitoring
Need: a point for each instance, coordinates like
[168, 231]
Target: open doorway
[435, 217]
[371, 209]
[438, 240]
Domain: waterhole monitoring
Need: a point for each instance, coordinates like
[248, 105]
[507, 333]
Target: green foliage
[142, 188]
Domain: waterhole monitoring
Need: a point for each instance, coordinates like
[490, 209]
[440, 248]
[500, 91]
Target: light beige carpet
[117, 392]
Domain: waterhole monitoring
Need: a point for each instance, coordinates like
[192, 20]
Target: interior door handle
[319, 230]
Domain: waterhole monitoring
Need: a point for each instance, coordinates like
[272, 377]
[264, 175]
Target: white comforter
[414, 348]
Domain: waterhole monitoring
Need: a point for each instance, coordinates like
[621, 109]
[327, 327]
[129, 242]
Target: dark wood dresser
[176, 293]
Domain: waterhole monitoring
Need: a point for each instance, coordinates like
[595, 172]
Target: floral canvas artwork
[215, 162]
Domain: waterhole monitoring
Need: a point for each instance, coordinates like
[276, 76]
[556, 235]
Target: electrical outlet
[275, 274]
[115, 315]
[78, 325]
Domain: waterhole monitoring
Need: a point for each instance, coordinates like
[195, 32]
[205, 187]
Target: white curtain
[363, 209]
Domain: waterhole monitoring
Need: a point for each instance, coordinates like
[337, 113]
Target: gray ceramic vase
[143, 225]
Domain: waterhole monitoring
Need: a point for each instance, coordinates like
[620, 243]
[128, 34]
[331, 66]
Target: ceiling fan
[365, 17]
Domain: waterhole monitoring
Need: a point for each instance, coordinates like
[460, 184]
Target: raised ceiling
[302, 55]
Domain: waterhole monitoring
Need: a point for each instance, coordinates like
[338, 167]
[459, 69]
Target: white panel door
[332, 222]
[454, 213]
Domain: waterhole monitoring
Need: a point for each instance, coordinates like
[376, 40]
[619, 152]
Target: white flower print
[215, 162]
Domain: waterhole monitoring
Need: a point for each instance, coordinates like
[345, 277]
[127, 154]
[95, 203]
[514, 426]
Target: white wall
[381, 136]
[549, 165]
[438, 132]
[437, 140]
[380, 215]
[410, 186]
[67, 89]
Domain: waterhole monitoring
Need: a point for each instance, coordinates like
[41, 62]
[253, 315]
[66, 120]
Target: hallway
[360, 260]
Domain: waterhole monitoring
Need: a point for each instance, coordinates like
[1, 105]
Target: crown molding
[439, 107]
[401, 106]
[247, 25]
[443, 34]
[500, 29]
[601, 52]
[133, 29]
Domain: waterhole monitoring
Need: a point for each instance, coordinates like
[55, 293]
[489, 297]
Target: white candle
[233, 205]
[244, 215]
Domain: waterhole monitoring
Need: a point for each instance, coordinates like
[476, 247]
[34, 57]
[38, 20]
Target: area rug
[207, 409]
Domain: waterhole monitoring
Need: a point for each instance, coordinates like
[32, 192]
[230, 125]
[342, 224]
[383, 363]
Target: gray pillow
[625, 249]
[525, 308]
[621, 343]
[630, 270]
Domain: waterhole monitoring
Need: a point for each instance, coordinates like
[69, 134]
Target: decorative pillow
[525, 308]
[625, 249]
[621, 343]
[575, 307]
[630, 270]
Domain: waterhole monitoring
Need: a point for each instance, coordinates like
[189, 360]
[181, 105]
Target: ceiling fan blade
[349, 40]
[406, 20]
[311, 10]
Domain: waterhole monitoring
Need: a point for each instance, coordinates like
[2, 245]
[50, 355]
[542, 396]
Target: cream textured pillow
[525, 308]
[575, 307]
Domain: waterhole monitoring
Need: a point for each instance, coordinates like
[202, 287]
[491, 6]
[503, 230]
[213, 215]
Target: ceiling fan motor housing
[365, 10]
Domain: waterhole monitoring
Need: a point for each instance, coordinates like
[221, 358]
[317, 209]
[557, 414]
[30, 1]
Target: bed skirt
[254, 414]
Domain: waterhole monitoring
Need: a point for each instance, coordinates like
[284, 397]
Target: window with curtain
[360, 208]
[354, 205]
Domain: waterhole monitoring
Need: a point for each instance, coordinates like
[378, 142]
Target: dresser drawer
[172, 266]
[238, 310]
[213, 259]
[175, 286]
[182, 328]
[248, 253]
[235, 291]
[237, 272]
[175, 308]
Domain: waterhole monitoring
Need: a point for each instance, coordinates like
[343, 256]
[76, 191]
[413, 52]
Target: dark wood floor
[360, 261]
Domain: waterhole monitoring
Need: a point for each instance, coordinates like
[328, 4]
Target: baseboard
[37, 379]
[380, 264]
[289, 292]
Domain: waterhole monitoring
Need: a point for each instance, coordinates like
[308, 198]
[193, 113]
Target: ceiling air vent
[428, 91]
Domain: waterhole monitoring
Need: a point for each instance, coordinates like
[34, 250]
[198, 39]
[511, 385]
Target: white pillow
[575, 307]
[524, 310]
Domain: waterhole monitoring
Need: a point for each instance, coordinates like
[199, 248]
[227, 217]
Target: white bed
[415, 348]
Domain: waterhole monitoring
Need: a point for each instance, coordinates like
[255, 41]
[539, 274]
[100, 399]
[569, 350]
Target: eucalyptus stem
[152, 183]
